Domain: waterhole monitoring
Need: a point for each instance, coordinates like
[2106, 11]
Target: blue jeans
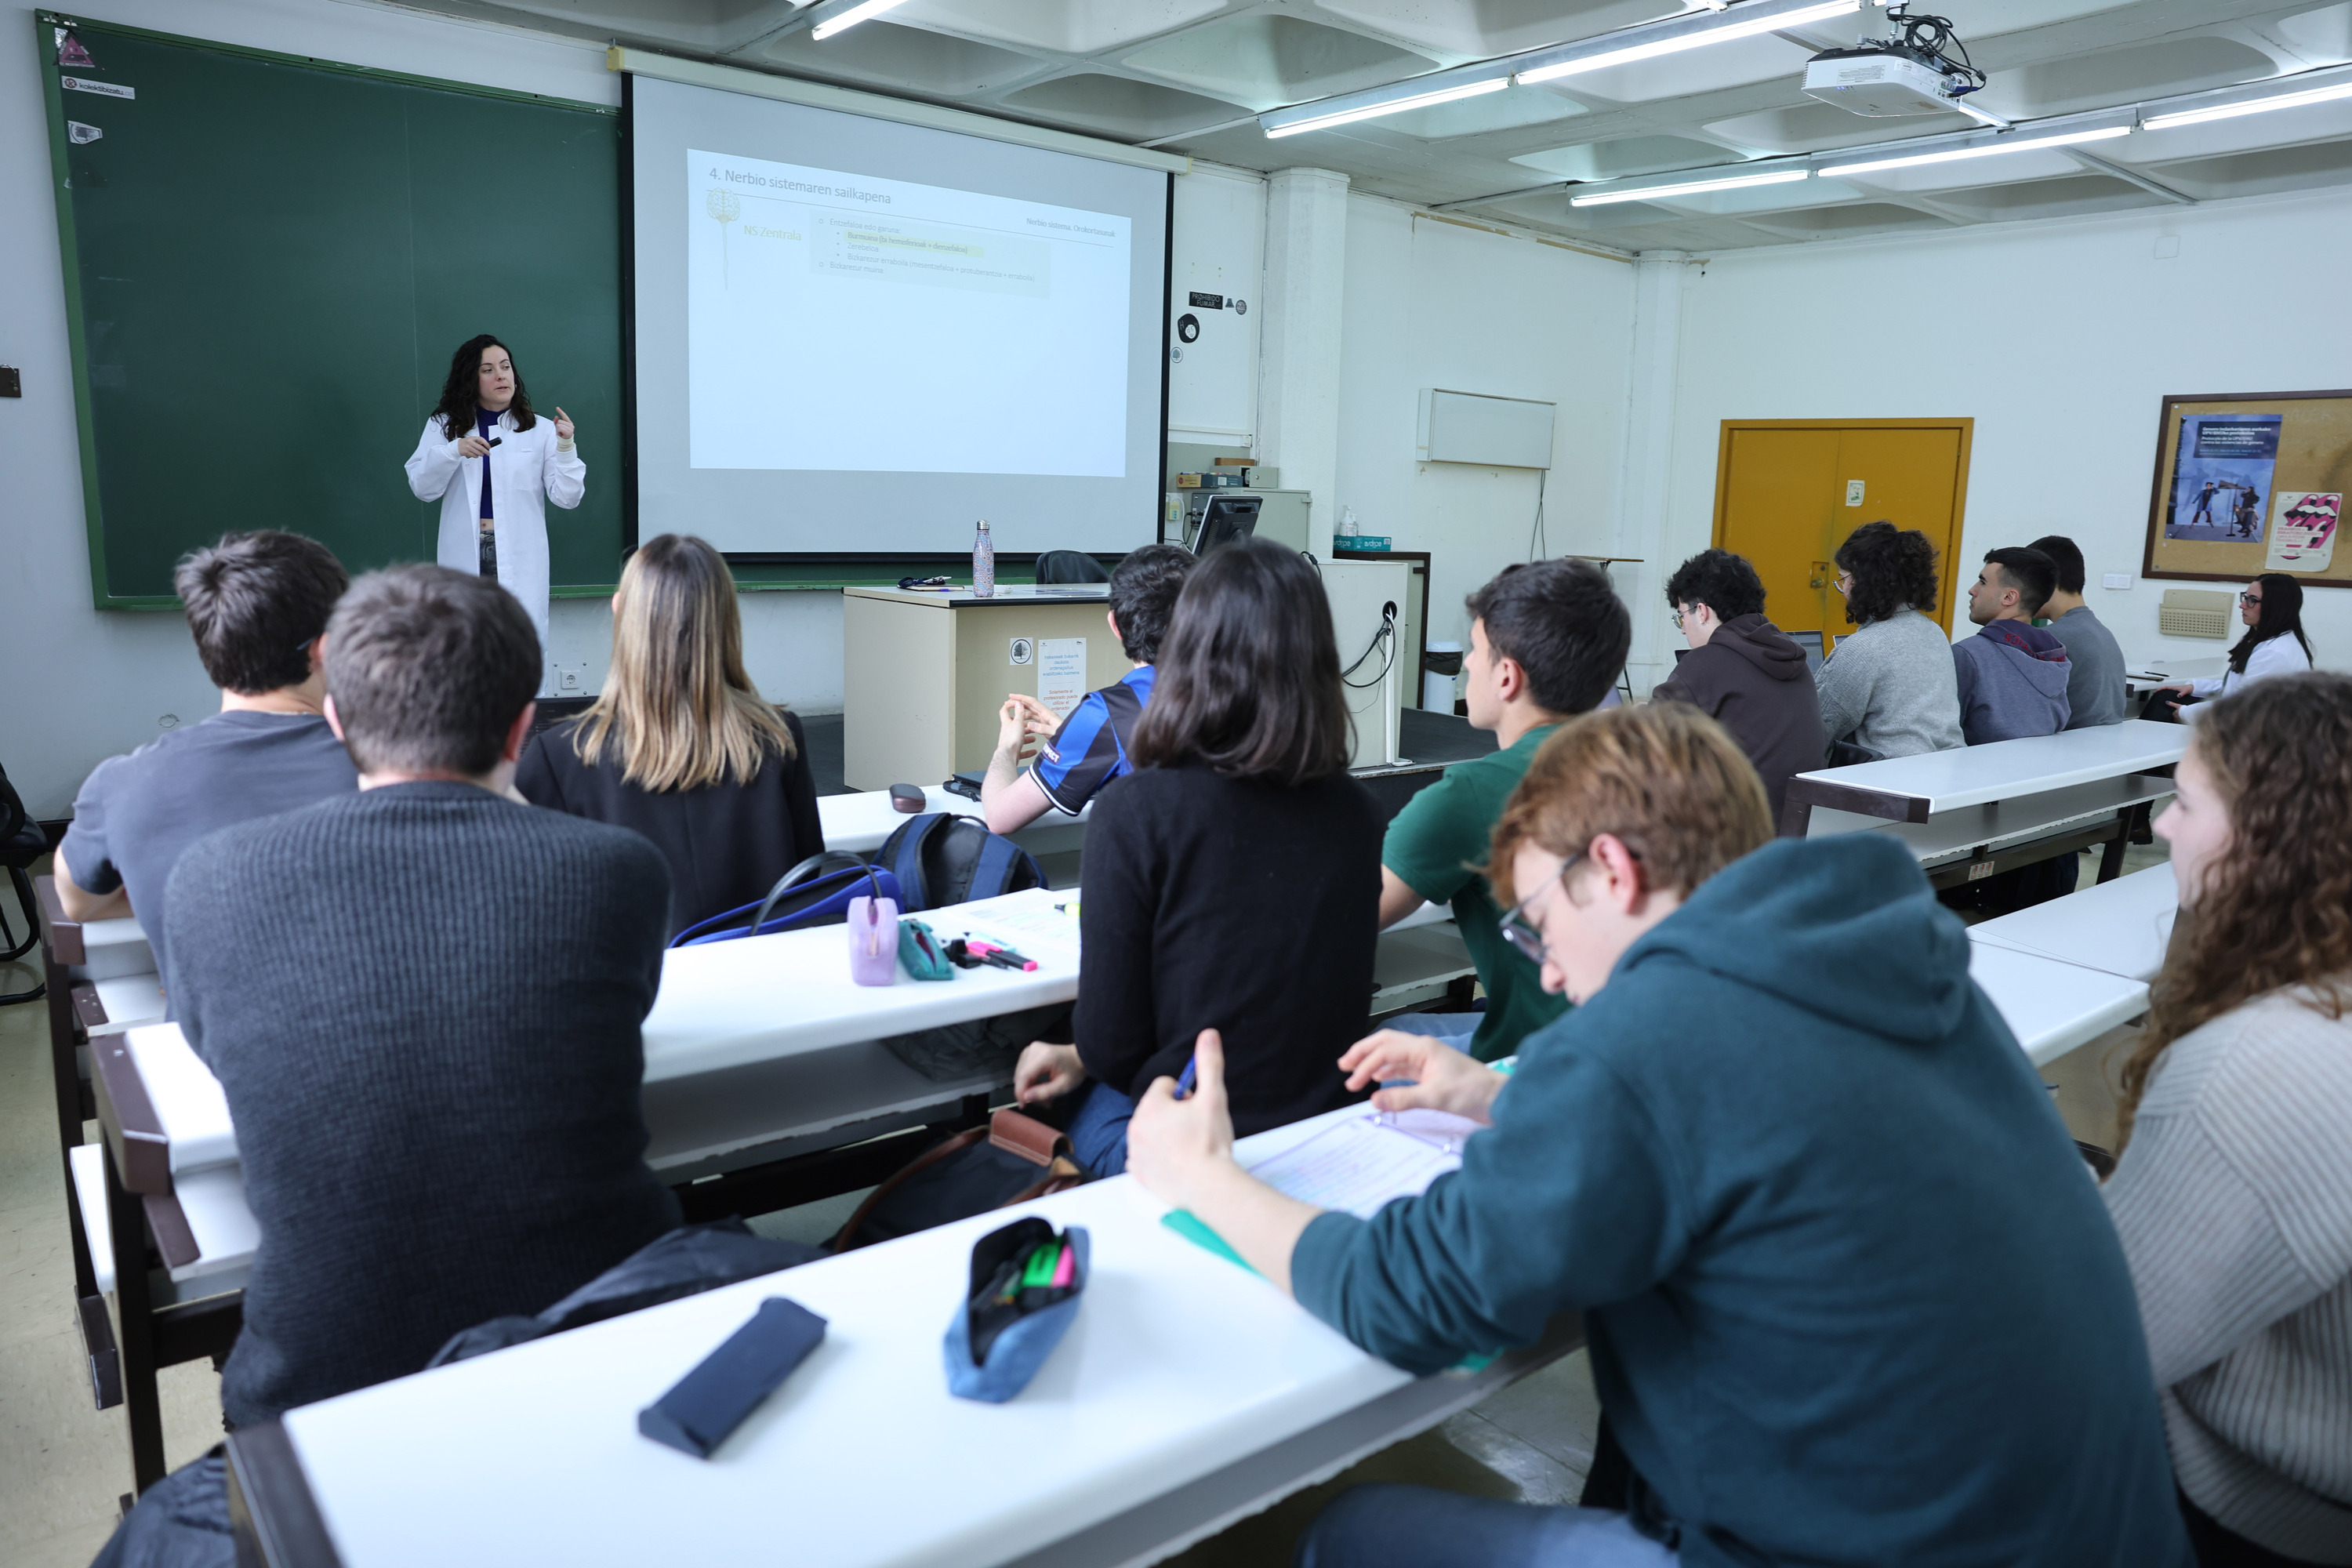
[1420, 1527]
[1454, 1029]
[1098, 1130]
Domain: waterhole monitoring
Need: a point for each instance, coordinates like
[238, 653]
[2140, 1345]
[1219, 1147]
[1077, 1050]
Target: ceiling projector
[1887, 77]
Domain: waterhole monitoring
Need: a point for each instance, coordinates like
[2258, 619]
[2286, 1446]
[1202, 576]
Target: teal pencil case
[1013, 1313]
[920, 952]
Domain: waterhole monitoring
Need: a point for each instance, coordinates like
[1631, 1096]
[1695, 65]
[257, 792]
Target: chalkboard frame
[68, 243]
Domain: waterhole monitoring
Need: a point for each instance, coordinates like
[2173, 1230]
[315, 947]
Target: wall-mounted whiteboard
[1494, 432]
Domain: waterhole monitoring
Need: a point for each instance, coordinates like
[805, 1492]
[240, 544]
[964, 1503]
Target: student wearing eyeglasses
[2274, 644]
[1852, 1298]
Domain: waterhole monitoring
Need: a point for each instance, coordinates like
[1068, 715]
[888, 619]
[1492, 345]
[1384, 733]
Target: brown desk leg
[2111, 859]
[127, 1218]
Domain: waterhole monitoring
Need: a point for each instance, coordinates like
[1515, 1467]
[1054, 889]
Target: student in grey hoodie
[2012, 675]
[1888, 687]
[1742, 670]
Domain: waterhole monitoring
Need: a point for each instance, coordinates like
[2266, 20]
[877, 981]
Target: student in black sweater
[1232, 883]
[680, 747]
[422, 1001]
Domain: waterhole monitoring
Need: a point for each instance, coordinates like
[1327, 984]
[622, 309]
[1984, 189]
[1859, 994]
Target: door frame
[1964, 424]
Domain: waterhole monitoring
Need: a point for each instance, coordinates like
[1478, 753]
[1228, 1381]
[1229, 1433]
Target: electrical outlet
[568, 681]
[2115, 580]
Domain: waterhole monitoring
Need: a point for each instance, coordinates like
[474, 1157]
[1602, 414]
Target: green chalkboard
[268, 260]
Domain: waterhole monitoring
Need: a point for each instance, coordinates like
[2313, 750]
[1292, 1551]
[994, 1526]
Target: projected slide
[844, 322]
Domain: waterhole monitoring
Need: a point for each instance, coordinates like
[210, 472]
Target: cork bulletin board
[2252, 482]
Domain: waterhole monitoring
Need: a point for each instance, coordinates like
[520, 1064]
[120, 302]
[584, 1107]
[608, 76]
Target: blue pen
[1184, 1084]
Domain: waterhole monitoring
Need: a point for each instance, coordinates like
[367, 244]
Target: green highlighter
[1184, 1222]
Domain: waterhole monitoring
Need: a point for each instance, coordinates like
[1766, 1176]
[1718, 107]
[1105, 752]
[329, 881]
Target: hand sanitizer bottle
[983, 563]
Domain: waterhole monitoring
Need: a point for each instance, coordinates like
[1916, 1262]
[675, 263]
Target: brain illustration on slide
[841, 322]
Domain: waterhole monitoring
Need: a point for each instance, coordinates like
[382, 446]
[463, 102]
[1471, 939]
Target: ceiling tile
[1739, 63]
[887, 54]
[1812, 127]
[1831, 223]
[1065, 26]
[1963, 174]
[1119, 106]
[1480, 28]
[1267, 60]
[2121, 76]
[2261, 173]
[1629, 155]
[2322, 37]
[2067, 197]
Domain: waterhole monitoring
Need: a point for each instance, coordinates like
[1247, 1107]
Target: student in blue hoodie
[2012, 674]
[1850, 1297]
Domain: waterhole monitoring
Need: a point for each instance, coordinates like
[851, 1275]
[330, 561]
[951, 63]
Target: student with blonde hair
[679, 746]
[2233, 1195]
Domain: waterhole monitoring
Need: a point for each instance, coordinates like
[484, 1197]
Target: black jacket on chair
[727, 843]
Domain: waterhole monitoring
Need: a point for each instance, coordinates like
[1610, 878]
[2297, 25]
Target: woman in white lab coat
[2272, 609]
[484, 424]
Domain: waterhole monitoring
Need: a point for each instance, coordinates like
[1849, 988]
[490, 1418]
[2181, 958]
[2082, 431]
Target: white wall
[2060, 339]
[1429, 304]
[78, 684]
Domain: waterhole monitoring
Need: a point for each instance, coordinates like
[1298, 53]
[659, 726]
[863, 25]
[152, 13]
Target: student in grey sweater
[422, 1001]
[2095, 681]
[2012, 675]
[1889, 687]
[2233, 1195]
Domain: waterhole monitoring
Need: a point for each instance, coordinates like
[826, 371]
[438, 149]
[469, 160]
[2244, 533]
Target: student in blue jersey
[1851, 1296]
[1085, 751]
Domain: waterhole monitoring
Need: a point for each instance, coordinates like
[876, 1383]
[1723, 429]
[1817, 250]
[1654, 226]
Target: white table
[2142, 677]
[1914, 789]
[859, 823]
[2052, 1006]
[2119, 928]
[1187, 1393]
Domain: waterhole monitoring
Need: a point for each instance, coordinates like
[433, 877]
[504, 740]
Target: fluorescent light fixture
[1986, 149]
[1389, 106]
[840, 21]
[1651, 193]
[1747, 27]
[2251, 106]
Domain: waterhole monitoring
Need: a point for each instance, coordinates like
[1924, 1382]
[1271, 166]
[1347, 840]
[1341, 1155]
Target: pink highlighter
[873, 941]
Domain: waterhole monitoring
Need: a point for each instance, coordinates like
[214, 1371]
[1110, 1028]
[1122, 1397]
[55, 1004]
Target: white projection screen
[856, 337]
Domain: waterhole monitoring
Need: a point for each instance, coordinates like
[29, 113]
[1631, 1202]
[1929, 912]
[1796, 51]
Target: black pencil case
[706, 1404]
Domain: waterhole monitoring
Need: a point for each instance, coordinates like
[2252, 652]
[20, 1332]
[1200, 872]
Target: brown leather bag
[1012, 1160]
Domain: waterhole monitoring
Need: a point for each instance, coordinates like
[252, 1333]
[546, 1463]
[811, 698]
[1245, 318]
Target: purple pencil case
[873, 928]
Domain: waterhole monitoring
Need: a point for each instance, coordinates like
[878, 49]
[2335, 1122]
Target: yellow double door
[1789, 491]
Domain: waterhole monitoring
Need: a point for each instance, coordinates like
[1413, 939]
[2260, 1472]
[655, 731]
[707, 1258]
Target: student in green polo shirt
[1547, 640]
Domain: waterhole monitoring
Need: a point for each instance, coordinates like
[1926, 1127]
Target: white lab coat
[2280, 655]
[524, 467]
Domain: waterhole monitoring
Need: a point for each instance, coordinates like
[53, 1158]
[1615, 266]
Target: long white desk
[1187, 1393]
[2119, 928]
[2051, 1005]
[1914, 789]
[859, 823]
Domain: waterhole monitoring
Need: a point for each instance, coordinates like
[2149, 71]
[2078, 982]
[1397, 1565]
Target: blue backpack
[939, 858]
[813, 893]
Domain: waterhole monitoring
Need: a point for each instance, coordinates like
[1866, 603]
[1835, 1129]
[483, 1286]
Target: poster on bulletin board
[2250, 483]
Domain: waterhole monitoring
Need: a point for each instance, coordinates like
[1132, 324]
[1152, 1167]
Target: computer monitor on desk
[1222, 520]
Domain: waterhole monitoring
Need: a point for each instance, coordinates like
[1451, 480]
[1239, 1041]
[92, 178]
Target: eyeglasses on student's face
[1519, 930]
[2250, 598]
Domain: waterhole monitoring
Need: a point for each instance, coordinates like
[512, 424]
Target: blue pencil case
[997, 1342]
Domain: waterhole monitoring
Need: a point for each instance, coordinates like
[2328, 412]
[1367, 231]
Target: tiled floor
[63, 1465]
